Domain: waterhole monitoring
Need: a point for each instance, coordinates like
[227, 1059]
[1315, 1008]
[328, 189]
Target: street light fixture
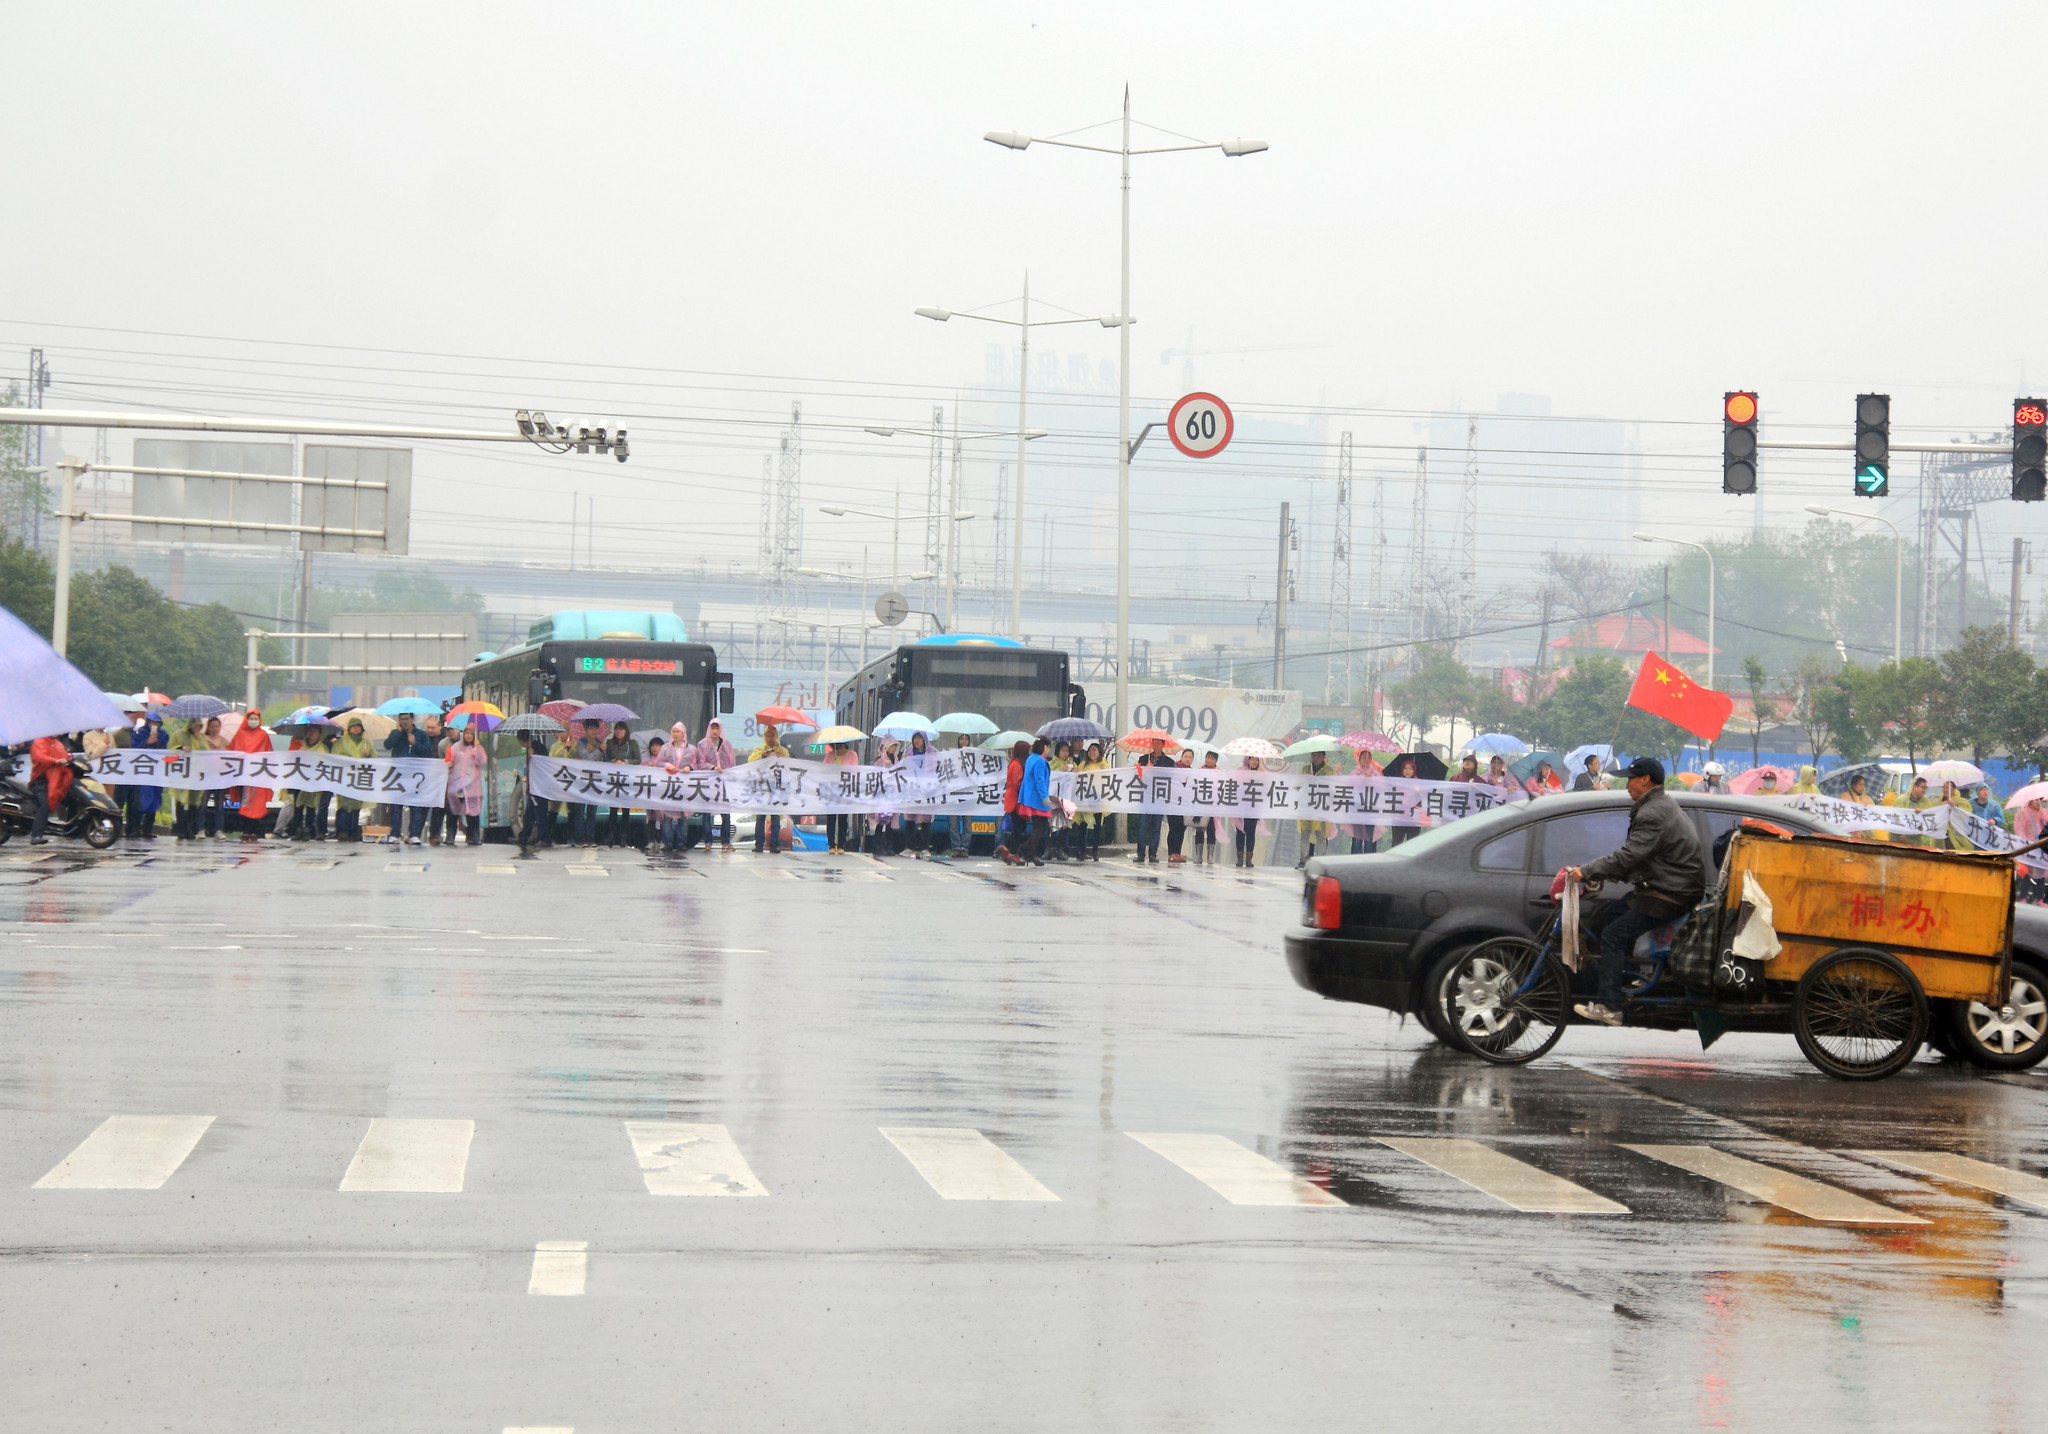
[895, 521]
[1689, 543]
[1024, 325]
[1898, 564]
[1020, 433]
[1233, 149]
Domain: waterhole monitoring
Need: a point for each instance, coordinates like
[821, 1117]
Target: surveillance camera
[619, 446]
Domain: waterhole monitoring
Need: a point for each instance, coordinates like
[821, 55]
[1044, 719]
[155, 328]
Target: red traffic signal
[1739, 408]
[1738, 442]
[2029, 450]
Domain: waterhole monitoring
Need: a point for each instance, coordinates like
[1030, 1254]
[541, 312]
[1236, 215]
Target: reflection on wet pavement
[1060, 1148]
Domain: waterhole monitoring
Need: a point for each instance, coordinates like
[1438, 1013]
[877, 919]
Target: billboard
[195, 500]
[386, 510]
[1205, 714]
[399, 649]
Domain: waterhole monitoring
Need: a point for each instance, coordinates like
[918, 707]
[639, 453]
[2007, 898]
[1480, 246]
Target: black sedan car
[1391, 929]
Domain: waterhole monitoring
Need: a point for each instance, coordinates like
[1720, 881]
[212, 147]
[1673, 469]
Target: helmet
[1715, 769]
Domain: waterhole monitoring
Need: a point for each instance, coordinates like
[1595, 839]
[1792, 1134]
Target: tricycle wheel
[2011, 1038]
[1507, 1001]
[1859, 1014]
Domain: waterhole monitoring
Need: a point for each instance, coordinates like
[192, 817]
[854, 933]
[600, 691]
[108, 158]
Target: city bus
[1014, 686]
[642, 660]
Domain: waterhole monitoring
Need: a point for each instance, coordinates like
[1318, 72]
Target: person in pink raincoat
[715, 754]
[468, 761]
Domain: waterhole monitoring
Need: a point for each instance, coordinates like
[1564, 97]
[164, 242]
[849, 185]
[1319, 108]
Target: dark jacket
[1584, 782]
[420, 745]
[1661, 858]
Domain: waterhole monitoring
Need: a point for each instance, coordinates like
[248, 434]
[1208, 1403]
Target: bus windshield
[660, 703]
[1016, 690]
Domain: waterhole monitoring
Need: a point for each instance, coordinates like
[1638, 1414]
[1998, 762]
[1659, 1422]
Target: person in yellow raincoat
[348, 811]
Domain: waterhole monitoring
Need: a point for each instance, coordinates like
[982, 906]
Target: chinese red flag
[1663, 691]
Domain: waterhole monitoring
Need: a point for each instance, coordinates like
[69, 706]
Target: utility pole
[1340, 576]
[1542, 643]
[2012, 615]
[1418, 547]
[32, 442]
[1468, 535]
[1280, 604]
[1666, 638]
[935, 496]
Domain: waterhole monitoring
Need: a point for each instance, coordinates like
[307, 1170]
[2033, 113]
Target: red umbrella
[1148, 739]
[783, 717]
[153, 699]
[562, 708]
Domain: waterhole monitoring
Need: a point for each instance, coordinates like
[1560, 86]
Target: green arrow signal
[1872, 480]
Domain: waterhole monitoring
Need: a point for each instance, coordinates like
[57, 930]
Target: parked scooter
[83, 812]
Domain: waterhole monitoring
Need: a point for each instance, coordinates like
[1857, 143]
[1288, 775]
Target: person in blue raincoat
[143, 802]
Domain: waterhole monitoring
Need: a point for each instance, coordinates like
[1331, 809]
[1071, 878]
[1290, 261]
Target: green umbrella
[1525, 767]
[1003, 741]
[1317, 743]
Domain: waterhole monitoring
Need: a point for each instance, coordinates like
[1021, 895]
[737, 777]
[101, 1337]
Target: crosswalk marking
[1506, 1179]
[1780, 1187]
[964, 1164]
[772, 874]
[1998, 1179]
[587, 870]
[559, 1267]
[405, 866]
[421, 1157]
[496, 869]
[315, 865]
[1241, 1176]
[679, 1158]
[540, 1429]
[128, 1152]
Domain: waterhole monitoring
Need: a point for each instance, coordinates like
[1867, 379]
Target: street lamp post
[952, 531]
[895, 521]
[1689, 543]
[1024, 325]
[1232, 149]
[1898, 564]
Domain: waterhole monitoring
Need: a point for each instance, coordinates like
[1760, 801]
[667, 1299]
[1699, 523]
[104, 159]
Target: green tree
[27, 584]
[1986, 681]
[1590, 704]
[1437, 688]
[23, 494]
[1817, 701]
[126, 635]
[1761, 708]
[1900, 701]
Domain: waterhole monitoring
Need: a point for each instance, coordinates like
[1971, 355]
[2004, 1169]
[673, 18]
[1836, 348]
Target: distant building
[1630, 635]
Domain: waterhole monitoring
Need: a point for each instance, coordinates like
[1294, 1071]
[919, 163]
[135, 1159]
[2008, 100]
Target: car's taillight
[1329, 904]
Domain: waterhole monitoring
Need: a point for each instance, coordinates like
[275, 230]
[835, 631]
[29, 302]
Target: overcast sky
[689, 215]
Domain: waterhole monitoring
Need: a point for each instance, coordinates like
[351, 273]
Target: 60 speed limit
[1200, 425]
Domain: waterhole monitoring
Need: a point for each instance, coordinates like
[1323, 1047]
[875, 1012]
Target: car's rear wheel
[1432, 1007]
[2013, 1037]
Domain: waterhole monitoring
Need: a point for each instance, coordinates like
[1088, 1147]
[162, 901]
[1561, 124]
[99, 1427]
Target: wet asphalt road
[543, 1049]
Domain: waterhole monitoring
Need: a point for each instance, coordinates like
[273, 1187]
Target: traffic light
[2029, 450]
[1738, 443]
[1873, 445]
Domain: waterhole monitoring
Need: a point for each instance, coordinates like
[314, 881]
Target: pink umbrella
[1746, 784]
[1369, 742]
[2026, 794]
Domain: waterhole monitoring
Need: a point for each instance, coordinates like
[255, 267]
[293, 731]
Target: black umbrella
[1429, 767]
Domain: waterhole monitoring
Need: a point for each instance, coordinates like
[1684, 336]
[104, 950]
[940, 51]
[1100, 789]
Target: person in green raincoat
[193, 739]
[348, 811]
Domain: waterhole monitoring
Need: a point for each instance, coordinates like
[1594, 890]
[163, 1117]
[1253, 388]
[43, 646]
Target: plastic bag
[1755, 938]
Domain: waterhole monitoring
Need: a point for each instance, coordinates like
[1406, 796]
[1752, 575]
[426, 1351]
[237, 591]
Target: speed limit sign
[1200, 424]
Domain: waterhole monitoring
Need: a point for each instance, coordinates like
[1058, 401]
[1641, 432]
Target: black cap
[1647, 767]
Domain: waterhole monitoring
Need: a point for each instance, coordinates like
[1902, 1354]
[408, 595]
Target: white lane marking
[1780, 1187]
[1512, 1182]
[422, 1157]
[680, 1158]
[1998, 1179]
[963, 1164]
[1241, 1176]
[775, 875]
[495, 869]
[559, 1267]
[128, 1152]
[315, 865]
[540, 1429]
[405, 866]
[587, 870]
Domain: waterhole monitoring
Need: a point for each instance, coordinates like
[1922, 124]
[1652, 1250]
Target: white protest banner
[1857, 817]
[393, 781]
[1214, 791]
[1990, 836]
[969, 781]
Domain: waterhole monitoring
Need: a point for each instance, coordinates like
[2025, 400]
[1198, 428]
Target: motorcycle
[84, 813]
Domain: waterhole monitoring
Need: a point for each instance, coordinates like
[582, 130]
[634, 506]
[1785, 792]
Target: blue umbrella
[41, 694]
[306, 716]
[196, 704]
[905, 725]
[1073, 729]
[1498, 744]
[418, 706]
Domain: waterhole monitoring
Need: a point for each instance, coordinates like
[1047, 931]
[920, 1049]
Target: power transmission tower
[1952, 487]
[764, 560]
[1418, 549]
[1468, 535]
[935, 496]
[789, 540]
[1340, 578]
